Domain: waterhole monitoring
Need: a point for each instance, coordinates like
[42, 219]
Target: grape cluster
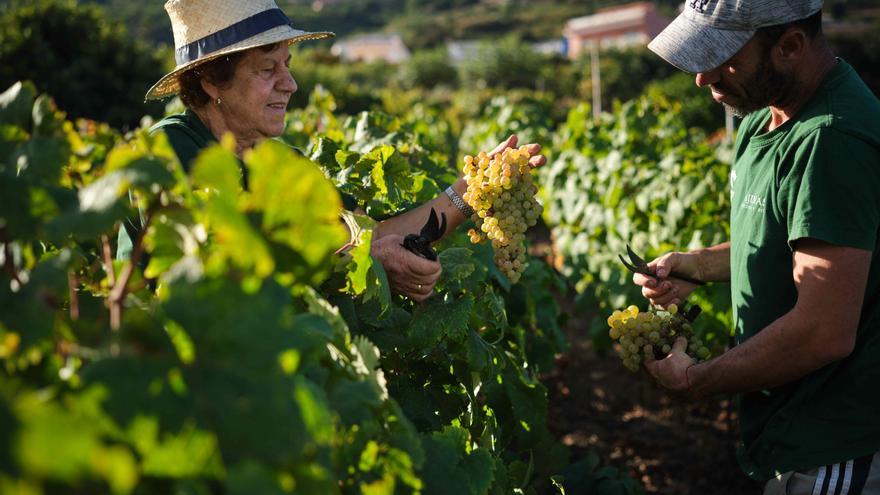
[658, 328]
[501, 192]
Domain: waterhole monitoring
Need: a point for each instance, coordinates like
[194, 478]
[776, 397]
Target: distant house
[461, 51]
[624, 26]
[371, 48]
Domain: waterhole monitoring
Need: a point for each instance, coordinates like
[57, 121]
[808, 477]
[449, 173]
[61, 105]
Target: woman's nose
[288, 83]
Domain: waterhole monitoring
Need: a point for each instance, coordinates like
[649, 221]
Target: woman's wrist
[460, 186]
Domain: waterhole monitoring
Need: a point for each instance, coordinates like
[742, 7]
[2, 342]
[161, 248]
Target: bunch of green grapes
[501, 192]
[658, 328]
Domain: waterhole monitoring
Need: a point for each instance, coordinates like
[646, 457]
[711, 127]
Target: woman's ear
[209, 88]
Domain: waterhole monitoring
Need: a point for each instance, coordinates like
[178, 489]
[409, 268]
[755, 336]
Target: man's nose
[708, 77]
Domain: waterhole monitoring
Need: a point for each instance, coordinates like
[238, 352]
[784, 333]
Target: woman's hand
[534, 149]
[663, 291]
[409, 275]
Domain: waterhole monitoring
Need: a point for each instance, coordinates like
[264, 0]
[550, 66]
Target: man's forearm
[786, 350]
[713, 263]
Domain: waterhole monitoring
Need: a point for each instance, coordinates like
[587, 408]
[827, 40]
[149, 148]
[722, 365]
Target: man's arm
[819, 330]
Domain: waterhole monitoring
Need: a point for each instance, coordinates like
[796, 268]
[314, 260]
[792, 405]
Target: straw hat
[207, 29]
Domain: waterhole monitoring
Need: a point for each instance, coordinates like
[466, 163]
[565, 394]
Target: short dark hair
[811, 25]
[218, 72]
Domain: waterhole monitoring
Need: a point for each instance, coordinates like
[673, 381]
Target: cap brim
[694, 47]
[169, 85]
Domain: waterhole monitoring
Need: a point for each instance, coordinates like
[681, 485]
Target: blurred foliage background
[99, 57]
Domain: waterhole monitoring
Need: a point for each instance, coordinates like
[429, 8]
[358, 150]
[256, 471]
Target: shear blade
[629, 267]
[636, 259]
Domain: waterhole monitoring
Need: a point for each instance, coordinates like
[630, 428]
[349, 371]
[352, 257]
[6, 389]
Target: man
[803, 256]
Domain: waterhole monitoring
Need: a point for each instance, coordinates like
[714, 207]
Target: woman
[233, 76]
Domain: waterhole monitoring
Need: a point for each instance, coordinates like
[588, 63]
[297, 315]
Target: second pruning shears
[637, 264]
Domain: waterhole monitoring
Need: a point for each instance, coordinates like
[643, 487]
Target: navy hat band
[231, 35]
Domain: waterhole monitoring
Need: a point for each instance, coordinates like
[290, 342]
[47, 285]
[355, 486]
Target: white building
[371, 48]
[634, 24]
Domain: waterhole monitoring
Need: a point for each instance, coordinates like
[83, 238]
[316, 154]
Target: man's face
[749, 81]
[255, 101]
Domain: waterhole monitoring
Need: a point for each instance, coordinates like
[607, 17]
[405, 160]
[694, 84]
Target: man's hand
[671, 371]
[663, 291]
[536, 159]
[408, 274]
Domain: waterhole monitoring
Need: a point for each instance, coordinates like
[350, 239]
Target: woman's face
[254, 103]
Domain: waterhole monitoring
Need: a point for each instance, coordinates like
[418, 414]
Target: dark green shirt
[186, 134]
[817, 176]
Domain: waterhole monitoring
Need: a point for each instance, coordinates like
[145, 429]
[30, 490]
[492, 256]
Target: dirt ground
[673, 448]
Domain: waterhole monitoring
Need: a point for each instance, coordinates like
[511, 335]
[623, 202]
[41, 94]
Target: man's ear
[791, 47]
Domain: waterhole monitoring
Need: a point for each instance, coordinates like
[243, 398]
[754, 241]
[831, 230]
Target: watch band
[459, 203]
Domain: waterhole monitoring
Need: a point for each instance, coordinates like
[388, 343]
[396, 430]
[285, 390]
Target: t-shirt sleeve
[832, 191]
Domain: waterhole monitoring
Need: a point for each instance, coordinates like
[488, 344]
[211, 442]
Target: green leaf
[218, 169]
[236, 239]
[461, 271]
[42, 158]
[529, 407]
[249, 477]
[16, 104]
[187, 453]
[439, 318]
[361, 264]
[454, 469]
[105, 201]
[300, 206]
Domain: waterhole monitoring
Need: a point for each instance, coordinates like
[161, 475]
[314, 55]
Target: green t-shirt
[817, 176]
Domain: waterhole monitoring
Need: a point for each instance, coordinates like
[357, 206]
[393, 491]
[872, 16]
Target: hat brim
[695, 47]
[169, 85]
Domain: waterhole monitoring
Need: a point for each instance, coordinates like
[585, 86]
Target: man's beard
[766, 87]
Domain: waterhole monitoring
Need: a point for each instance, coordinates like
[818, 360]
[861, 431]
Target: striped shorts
[856, 477]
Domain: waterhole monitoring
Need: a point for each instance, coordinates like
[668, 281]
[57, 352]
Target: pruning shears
[637, 264]
[431, 232]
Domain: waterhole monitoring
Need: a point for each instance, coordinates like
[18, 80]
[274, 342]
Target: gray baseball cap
[708, 32]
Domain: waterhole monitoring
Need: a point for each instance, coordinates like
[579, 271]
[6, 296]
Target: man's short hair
[811, 26]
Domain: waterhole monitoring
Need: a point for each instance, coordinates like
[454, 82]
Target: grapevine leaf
[16, 207]
[477, 351]
[188, 453]
[460, 270]
[42, 158]
[354, 401]
[452, 469]
[529, 404]
[236, 239]
[218, 169]
[16, 103]
[251, 477]
[324, 153]
[300, 206]
[10, 425]
[437, 319]
[361, 264]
